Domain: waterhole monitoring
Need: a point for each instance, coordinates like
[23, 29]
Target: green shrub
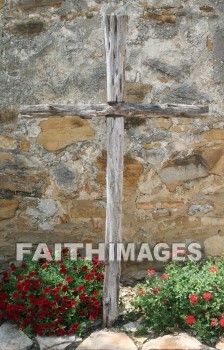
[189, 296]
[52, 298]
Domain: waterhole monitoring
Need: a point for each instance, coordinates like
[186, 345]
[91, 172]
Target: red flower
[95, 260]
[214, 322]
[95, 292]
[75, 326]
[141, 291]
[207, 295]
[63, 269]
[151, 272]
[155, 290]
[89, 277]
[164, 276]
[165, 300]
[194, 298]
[73, 303]
[69, 279]
[15, 295]
[81, 288]
[12, 267]
[213, 269]
[190, 319]
[96, 303]
[65, 251]
[24, 266]
[47, 290]
[222, 322]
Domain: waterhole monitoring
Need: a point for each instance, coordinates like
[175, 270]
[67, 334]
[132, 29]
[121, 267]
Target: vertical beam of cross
[115, 41]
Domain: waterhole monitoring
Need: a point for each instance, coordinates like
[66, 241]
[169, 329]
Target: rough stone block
[178, 342]
[104, 340]
[13, 339]
[28, 27]
[57, 133]
[30, 4]
[7, 142]
[87, 209]
[8, 208]
[183, 170]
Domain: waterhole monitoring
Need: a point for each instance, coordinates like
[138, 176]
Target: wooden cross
[115, 111]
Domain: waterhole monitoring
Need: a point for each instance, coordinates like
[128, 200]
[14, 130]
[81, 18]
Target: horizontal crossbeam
[115, 110]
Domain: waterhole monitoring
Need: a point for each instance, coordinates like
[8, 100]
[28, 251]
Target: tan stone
[152, 145]
[105, 340]
[172, 186]
[29, 4]
[214, 246]
[10, 172]
[163, 80]
[6, 156]
[176, 128]
[88, 14]
[157, 214]
[7, 142]
[179, 128]
[174, 342]
[136, 92]
[28, 28]
[150, 183]
[162, 18]
[209, 43]
[158, 205]
[8, 208]
[214, 159]
[8, 114]
[184, 222]
[23, 183]
[220, 345]
[24, 145]
[87, 209]
[214, 134]
[207, 8]
[2, 3]
[164, 123]
[132, 172]
[57, 133]
[212, 221]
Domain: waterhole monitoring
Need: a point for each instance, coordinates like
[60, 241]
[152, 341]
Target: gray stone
[182, 173]
[11, 338]
[47, 207]
[204, 208]
[64, 177]
[57, 343]
[177, 72]
[132, 327]
[106, 340]
[180, 341]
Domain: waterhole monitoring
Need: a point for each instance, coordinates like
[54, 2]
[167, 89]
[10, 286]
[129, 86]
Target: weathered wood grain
[115, 39]
[117, 110]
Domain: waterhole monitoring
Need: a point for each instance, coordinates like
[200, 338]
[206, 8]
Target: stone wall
[52, 170]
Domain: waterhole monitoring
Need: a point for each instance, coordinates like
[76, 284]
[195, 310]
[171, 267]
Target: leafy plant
[52, 298]
[186, 296]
